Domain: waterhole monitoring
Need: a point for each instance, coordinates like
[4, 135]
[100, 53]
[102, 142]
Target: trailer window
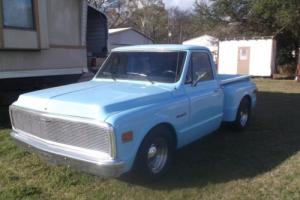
[18, 14]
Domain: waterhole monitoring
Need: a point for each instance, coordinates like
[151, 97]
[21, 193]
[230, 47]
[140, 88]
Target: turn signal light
[127, 137]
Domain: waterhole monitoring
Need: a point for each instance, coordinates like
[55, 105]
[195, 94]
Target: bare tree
[180, 25]
[121, 13]
[97, 3]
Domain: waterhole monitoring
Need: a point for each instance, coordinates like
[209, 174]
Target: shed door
[243, 60]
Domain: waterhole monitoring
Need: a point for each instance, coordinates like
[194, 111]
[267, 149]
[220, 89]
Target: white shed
[207, 41]
[204, 40]
[254, 56]
[119, 37]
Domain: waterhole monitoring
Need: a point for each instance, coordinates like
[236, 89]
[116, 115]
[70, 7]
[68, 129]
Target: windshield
[165, 67]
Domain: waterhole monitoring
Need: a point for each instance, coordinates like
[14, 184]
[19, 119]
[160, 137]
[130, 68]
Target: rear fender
[234, 93]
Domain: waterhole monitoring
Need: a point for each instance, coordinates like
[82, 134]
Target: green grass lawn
[260, 163]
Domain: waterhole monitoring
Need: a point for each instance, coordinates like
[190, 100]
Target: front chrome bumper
[91, 162]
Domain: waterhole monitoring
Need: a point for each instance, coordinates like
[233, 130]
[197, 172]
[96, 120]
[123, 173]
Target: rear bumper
[86, 161]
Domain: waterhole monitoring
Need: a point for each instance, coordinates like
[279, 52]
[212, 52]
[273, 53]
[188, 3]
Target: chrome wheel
[244, 115]
[157, 155]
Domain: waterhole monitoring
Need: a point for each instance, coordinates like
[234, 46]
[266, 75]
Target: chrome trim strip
[11, 118]
[113, 148]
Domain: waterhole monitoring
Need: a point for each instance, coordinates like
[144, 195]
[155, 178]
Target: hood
[93, 99]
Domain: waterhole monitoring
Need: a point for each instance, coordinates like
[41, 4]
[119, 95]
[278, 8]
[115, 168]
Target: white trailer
[47, 43]
[254, 56]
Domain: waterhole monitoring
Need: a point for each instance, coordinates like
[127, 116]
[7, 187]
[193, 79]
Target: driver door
[205, 96]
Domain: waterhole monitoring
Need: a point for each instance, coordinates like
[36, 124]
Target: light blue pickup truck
[143, 104]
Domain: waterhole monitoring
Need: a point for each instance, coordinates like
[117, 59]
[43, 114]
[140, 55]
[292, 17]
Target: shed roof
[248, 38]
[204, 40]
[119, 30]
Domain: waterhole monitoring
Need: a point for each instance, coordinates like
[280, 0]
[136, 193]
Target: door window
[200, 68]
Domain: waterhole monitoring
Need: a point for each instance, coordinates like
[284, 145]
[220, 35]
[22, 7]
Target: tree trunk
[298, 63]
[298, 47]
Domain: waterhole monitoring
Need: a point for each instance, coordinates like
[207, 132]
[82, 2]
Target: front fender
[140, 121]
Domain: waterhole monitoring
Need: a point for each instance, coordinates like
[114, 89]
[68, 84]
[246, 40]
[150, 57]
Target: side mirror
[199, 78]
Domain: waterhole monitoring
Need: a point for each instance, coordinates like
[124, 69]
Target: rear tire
[243, 115]
[155, 154]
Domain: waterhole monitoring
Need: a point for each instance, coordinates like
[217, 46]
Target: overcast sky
[183, 4]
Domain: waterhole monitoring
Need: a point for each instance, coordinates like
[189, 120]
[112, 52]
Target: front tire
[155, 154]
[243, 115]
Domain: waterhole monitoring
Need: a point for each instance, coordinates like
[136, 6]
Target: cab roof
[160, 47]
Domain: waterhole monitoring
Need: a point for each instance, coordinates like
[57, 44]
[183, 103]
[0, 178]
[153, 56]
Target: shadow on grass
[272, 137]
[6, 99]
[4, 117]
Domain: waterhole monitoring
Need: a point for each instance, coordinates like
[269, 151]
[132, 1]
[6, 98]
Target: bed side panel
[233, 94]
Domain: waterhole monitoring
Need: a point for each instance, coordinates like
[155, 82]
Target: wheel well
[249, 99]
[161, 126]
[170, 128]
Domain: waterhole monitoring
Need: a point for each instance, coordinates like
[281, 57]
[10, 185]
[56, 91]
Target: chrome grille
[64, 131]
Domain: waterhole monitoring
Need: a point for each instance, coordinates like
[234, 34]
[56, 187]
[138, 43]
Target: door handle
[217, 90]
[220, 88]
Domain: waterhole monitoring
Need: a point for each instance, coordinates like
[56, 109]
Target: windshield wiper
[141, 75]
[113, 77]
